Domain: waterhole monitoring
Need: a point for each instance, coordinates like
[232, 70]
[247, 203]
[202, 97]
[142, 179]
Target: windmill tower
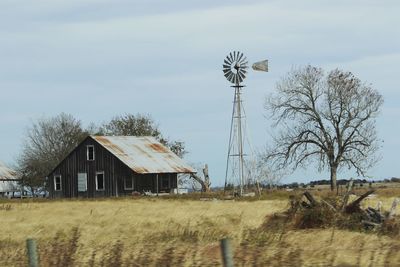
[235, 70]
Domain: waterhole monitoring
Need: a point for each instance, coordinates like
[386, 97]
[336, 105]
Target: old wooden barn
[103, 166]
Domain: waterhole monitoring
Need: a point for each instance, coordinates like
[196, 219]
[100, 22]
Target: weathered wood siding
[114, 170]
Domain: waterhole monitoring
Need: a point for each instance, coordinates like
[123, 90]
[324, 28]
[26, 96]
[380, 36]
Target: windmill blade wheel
[234, 67]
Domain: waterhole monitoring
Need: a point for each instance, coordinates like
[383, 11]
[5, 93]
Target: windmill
[235, 69]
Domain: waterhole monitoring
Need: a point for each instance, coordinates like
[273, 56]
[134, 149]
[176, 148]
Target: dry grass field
[179, 232]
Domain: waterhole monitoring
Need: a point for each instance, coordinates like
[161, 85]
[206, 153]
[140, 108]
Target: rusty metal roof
[144, 154]
[6, 173]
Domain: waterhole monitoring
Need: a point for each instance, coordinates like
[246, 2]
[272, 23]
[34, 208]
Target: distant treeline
[313, 183]
[339, 182]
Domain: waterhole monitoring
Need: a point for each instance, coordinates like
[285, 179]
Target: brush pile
[339, 211]
[305, 211]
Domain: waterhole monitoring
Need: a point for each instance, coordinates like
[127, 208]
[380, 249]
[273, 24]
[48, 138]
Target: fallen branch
[355, 204]
[310, 198]
[374, 215]
[368, 223]
[329, 205]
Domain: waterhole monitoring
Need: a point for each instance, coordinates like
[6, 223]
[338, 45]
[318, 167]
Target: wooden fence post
[32, 253]
[226, 251]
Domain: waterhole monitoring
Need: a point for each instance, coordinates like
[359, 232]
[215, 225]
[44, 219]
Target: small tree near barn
[328, 118]
[47, 142]
[140, 125]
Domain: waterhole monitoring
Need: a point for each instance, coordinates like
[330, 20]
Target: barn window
[57, 182]
[100, 181]
[128, 183]
[165, 181]
[90, 152]
[82, 182]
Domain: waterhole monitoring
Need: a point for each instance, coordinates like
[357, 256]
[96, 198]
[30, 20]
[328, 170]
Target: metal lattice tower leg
[235, 158]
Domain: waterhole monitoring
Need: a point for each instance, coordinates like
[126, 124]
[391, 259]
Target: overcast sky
[96, 59]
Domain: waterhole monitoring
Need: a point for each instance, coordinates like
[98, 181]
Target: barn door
[82, 182]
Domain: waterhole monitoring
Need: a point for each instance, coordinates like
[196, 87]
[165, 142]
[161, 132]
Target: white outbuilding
[8, 181]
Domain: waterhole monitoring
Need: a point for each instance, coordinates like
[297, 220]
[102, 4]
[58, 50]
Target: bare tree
[329, 118]
[203, 181]
[47, 142]
[261, 173]
[140, 125]
[196, 181]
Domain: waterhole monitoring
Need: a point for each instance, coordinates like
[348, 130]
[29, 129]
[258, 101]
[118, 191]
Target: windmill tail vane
[261, 66]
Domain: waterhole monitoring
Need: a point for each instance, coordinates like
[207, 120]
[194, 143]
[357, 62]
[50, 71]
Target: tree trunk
[32, 191]
[205, 183]
[205, 187]
[333, 177]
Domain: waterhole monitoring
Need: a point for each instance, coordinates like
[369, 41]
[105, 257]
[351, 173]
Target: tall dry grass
[177, 232]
